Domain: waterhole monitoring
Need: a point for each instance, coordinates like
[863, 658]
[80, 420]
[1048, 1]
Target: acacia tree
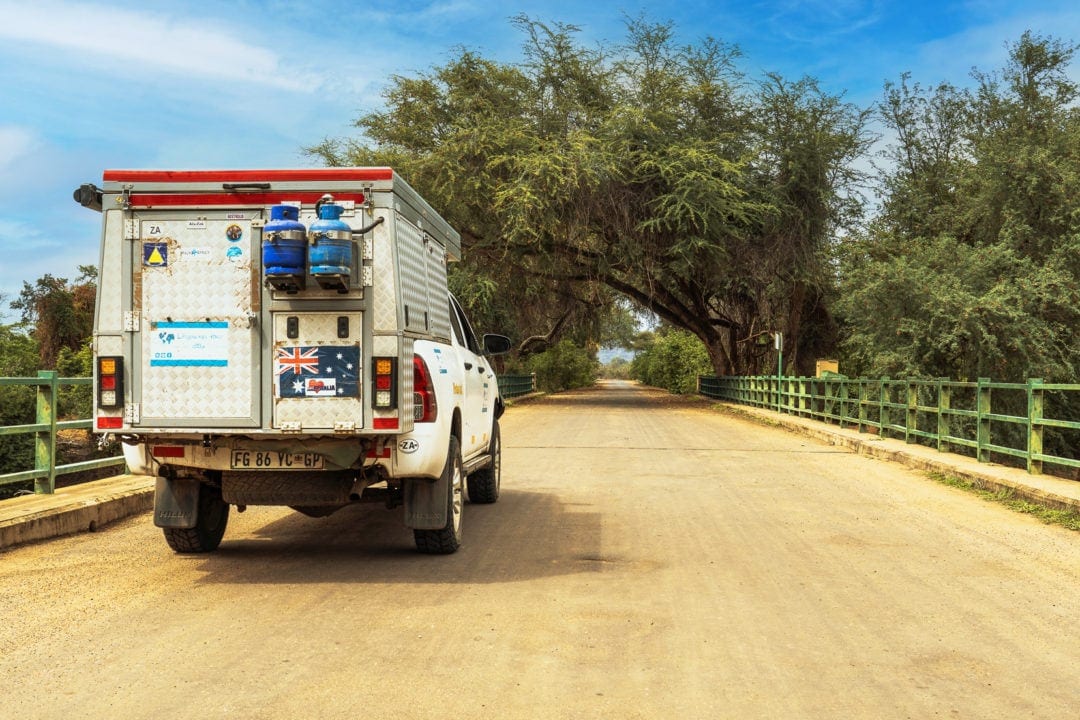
[61, 313]
[646, 168]
[973, 267]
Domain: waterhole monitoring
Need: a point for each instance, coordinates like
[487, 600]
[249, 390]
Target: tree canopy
[60, 313]
[645, 169]
[972, 268]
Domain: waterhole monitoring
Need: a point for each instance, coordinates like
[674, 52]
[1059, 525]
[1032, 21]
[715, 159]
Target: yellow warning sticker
[155, 254]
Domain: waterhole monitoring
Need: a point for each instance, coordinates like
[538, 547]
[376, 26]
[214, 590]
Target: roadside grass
[1068, 519]
[740, 412]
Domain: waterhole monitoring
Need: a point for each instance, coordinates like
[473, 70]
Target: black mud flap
[425, 503]
[176, 503]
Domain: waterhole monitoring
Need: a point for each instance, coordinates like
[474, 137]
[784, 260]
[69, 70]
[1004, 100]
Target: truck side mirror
[496, 344]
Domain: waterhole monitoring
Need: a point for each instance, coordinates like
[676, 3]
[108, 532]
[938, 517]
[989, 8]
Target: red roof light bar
[213, 176]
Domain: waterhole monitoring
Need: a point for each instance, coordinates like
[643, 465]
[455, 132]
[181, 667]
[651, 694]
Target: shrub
[672, 360]
[563, 367]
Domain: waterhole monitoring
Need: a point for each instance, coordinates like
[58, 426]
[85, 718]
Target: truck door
[476, 423]
[196, 301]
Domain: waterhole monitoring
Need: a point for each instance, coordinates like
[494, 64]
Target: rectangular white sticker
[189, 344]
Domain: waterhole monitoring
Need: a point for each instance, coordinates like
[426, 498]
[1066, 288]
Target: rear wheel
[213, 516]
[484, 483]
[447, 539]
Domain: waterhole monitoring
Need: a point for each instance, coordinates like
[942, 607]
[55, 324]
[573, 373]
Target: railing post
[982, 410]
[844, 402]
[827, 402]
[802, 397]
[1034, 426]
[944, 404]
[862, 405]
[883, 408]
[911, 417]
[45, 440]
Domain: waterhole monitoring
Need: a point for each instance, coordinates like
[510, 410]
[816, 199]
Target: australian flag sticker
[318, 371]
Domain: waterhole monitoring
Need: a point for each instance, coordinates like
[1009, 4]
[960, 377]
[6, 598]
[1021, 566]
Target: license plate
[275, 460]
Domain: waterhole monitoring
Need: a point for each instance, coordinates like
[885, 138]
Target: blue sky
[86, 86]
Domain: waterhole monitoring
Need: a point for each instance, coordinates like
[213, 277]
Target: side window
[462, 329]
[455, 325]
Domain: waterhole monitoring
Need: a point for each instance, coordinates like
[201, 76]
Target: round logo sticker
[234, 232]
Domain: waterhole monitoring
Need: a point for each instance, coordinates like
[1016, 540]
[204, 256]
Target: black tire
[484, 483]
[447, 539]
[209, 527]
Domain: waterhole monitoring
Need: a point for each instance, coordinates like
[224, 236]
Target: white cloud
[144, 39]
[985, 46]
[15, 143]
[821, 22]
[33, 250]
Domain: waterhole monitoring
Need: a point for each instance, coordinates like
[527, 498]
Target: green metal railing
[982, 418]
[511, 386]
[45, 430]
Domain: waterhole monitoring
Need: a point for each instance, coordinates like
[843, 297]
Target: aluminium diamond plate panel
[318, 395]
[109, 310]
[406, 384]
[198, 335]
[412, 275]
[384, 267]
[438, 293]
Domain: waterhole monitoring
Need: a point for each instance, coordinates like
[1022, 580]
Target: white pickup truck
[286, 337]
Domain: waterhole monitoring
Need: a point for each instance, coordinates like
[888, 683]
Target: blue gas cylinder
[284, 249]
[331, 248]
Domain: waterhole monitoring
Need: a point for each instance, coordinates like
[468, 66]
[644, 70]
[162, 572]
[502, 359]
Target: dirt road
[649, 558]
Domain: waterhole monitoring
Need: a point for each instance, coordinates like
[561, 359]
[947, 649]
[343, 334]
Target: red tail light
[425, 407]
[110, 378]
[384, 381]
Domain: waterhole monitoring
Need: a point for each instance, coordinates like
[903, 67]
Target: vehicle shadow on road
[525, 535]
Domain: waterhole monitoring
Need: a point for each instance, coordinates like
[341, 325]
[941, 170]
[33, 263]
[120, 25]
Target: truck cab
[286, 337]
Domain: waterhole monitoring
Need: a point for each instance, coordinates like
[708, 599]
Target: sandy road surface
[649, 558]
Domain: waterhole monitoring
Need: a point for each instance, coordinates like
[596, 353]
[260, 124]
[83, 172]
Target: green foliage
[947, 309]
[61, 313]
[18, 358]
[972, 268]
[76, 401]
[644, 169]
[672, 359]
[18, 354]
[618, 368]
[564, 366]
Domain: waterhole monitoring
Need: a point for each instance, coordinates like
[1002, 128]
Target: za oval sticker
[408, 446]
